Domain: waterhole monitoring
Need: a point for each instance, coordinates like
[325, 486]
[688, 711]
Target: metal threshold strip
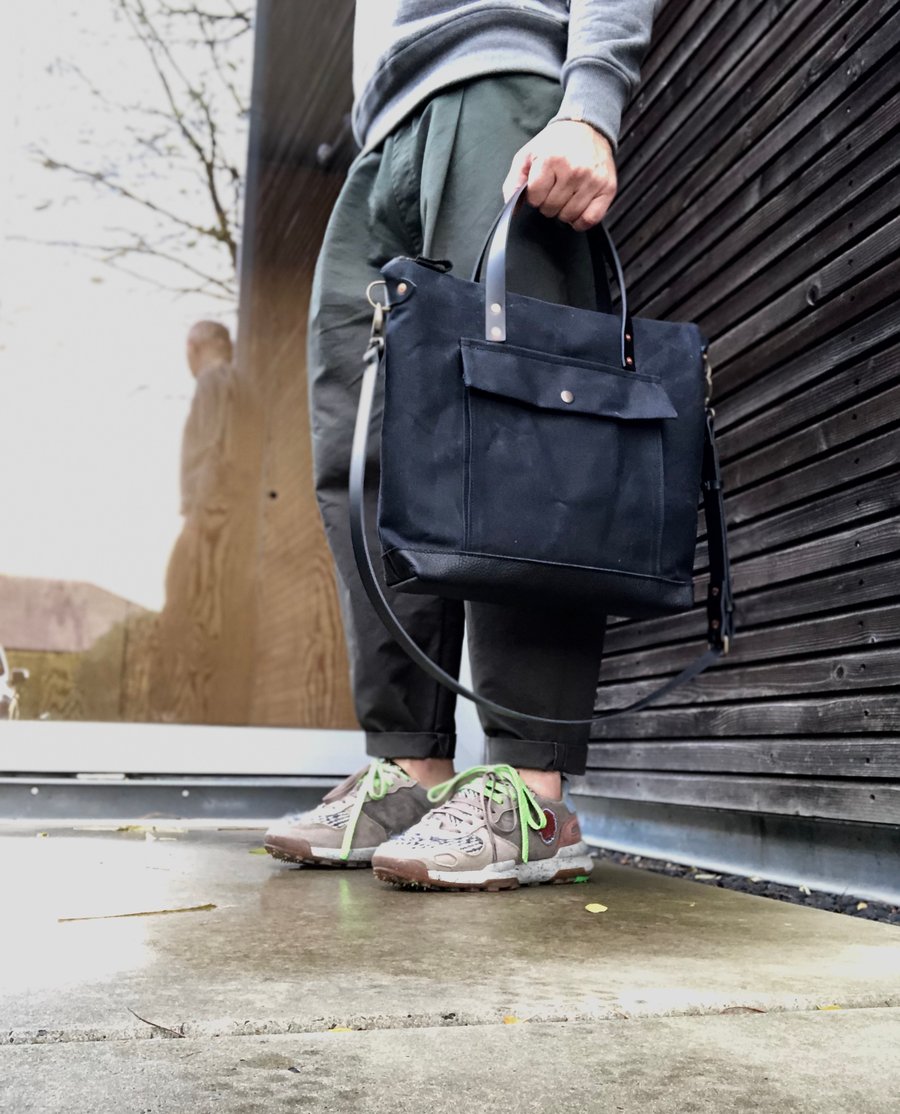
[836, 856]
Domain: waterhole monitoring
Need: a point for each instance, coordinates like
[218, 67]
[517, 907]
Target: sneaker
[352, 820]
[491, 833]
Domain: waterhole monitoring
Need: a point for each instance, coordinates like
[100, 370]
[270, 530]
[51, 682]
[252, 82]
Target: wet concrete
[647, 1001]
[294, 950]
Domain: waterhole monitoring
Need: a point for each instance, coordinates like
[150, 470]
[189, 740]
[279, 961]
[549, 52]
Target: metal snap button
[567, 396]
[495, 307]
[402, 288]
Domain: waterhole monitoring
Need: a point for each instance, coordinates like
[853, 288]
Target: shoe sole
[414, 874]
[300, 852]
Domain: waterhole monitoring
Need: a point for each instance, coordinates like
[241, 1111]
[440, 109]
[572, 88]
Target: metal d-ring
[371, 301]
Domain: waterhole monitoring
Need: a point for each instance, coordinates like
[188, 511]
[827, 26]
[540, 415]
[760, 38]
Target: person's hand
[570, 171]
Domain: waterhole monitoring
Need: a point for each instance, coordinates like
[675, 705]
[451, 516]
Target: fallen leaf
[511, 1019]
[742, 1009]
[862, 905]
[828, 1007]
[41, 835]
[257, 851]
[340, 1029]
[596, 907]
[145, 913]
[581, 878]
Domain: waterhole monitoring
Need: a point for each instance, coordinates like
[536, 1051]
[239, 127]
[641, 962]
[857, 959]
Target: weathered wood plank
[756, 520]
[861, 628]
[679, 30]
[871, 293]
[764, 389]
[834, 673]
[847, 247]
[837, 182]
[811, 716]
[715, 100]
[850, 587]
[847, 387]
[696, 198]
[855, 756]
[724, 64]
[678, 25]
[880, 496]
[826, 288]
[873, 802]
[750, 495]
[874, 539]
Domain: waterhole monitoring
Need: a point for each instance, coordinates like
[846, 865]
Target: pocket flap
[553, 382]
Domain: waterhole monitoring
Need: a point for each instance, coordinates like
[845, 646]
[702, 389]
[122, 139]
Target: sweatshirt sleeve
[607, 43]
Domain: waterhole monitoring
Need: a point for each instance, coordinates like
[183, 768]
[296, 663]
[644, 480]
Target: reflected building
[86, 650]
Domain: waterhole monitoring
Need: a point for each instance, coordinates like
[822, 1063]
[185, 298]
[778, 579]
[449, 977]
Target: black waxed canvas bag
[538, 453]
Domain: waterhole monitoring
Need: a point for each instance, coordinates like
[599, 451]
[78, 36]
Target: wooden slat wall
[759, 198]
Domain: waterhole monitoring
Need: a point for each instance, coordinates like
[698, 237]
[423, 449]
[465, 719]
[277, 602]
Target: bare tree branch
[187, 132]
[102, 178]
[111, 254]
[208, 161]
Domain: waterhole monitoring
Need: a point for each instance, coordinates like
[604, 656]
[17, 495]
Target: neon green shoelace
[373, 785]
[500, 783]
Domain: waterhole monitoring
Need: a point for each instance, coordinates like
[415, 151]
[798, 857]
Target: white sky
[94, 389]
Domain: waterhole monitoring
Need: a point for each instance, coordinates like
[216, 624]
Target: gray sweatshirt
[406, 50]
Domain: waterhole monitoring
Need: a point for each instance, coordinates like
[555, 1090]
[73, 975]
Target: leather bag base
[490, 579]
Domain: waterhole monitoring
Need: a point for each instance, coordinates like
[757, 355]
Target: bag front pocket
[564, 459]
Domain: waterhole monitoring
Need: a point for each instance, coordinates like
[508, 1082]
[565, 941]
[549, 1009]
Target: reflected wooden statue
[190, 624]
[203, 449]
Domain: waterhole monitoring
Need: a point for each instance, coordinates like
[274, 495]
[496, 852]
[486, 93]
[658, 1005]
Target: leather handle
[603, 255]
[720, 626]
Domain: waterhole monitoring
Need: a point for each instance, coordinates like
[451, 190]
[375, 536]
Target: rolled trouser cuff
[410, 744]
[533, 754]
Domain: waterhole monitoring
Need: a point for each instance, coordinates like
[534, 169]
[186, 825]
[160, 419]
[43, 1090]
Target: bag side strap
[719, 600]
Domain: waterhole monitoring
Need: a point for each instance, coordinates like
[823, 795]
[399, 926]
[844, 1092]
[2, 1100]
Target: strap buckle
[376, 335]
[374, 301]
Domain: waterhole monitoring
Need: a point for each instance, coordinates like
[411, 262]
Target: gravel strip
[795, 895]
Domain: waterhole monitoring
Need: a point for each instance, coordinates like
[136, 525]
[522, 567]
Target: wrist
[586, 124]
[594, 94]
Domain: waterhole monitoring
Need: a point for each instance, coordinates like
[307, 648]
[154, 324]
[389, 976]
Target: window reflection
[124, 152]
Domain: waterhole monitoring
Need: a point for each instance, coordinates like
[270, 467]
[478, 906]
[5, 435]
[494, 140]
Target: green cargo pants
[433, 188]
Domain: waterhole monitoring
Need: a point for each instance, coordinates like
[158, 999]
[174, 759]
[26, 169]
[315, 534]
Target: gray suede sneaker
[490, 833]
[367, 808]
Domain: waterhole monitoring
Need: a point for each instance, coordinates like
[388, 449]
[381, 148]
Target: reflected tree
[179, 149]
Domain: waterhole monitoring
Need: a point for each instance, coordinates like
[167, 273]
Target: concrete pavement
[521, 1000]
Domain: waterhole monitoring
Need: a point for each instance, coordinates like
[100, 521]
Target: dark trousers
[433, 188]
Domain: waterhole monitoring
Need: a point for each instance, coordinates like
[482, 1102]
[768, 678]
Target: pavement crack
[223, 1028]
